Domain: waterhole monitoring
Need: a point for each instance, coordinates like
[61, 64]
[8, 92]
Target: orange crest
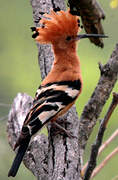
[56, 26]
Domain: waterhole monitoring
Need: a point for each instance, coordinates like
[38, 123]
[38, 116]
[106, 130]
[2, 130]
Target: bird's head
[57, 28]
[60, 29]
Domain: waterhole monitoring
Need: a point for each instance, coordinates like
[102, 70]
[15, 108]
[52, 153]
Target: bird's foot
[66, 132]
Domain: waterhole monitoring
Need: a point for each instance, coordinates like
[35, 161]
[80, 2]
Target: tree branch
[108, 141]
[104, 162]
[103, 146]
[99, 97]
[91, 14]
[99, 139]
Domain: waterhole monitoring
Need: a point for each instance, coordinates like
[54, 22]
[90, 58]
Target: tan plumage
[57, 27]
[55, 30]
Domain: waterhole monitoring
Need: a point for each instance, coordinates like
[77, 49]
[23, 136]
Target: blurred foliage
[114, 3]
[19, 72]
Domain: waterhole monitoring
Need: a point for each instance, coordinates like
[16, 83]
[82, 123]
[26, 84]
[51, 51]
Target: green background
[19, 72]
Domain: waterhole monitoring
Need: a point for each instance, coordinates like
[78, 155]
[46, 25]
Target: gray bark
[92, 14]
[91, 112]
[36, 156]
[59, 157]
[63, 154]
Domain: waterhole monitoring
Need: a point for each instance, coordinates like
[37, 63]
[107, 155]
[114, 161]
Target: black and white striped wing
[49, 101]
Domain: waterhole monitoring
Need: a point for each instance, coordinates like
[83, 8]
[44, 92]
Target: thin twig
[104, 162]
[106, 143]
[111, 109]
[99, 138]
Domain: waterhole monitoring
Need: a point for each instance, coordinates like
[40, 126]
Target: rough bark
[63, 152]
[92, 110]
[59, 157]
[36, 156]
[91, 14]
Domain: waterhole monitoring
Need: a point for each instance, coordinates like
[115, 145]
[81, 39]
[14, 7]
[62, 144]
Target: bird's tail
[18, 159]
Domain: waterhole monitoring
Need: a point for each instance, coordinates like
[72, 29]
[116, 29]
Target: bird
[63, 84]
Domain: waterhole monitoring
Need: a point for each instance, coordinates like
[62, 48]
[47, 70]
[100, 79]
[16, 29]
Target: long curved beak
[81, 36]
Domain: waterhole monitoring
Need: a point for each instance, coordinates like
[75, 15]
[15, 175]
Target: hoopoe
[62, 86]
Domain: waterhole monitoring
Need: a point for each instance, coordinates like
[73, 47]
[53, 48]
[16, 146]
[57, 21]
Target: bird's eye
[68, 38]
[56, 9]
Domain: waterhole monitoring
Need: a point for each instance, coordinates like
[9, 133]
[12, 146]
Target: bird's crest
[56, 25]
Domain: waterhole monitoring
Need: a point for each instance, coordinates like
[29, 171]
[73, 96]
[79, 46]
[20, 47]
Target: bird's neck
[66, 58]
[66, 66]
